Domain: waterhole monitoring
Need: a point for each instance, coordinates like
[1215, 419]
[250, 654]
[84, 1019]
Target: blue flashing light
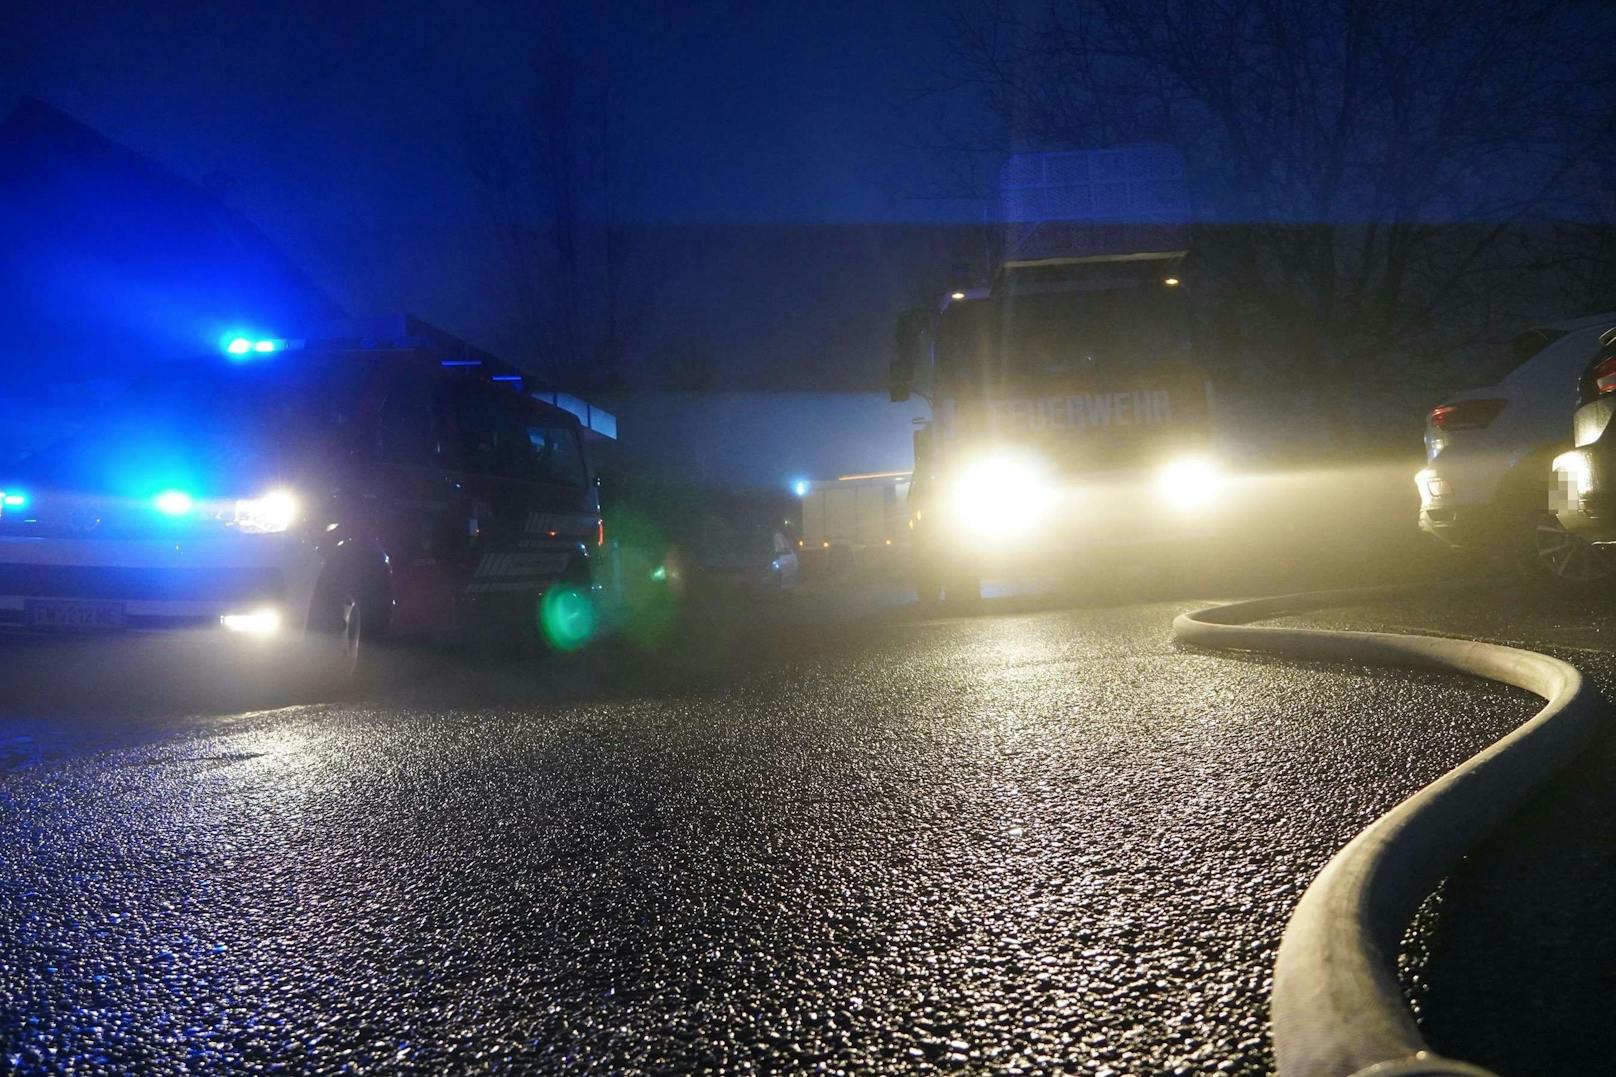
[462, 362]
[174, 503]
[800, 487]
[506, 377]
[239, 346]
[13, 499]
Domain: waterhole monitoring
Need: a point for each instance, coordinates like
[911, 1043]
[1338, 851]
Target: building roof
[111, 259]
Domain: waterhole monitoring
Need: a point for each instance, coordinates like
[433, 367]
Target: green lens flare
[567, 618]
[659, 573]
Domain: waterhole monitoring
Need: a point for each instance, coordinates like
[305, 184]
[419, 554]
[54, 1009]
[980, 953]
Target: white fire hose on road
[1337, 1005]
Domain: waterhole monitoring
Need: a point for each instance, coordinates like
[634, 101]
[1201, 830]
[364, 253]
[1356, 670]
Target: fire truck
[377, 479]
[1069, 413]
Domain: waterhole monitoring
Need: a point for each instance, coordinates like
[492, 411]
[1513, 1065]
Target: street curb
[1337, 1007]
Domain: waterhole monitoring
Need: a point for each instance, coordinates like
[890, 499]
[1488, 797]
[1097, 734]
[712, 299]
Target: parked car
[757, 561]
[1584, 492]
[1489, 453]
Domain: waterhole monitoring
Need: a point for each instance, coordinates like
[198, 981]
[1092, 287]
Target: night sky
[343, 132]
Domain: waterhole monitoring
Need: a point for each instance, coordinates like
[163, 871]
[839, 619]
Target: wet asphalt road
[1027, 840]
[1521, 968]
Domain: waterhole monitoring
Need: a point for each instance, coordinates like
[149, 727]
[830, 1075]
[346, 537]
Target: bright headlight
[275, 511]
[1190, 483]
[1003, 492]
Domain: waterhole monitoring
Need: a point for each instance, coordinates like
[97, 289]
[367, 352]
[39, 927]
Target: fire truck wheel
[962, 588]
[928, 584]
[344, 625]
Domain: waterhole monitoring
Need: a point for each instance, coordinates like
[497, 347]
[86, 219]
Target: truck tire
[963, 587]
[925, 569]
[345, 623]
[928, 583]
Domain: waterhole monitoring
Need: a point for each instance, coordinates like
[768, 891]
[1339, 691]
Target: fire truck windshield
[1100, 336]
[211, 399]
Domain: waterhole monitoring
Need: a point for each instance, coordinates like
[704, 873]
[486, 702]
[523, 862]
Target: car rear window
[1562, 359]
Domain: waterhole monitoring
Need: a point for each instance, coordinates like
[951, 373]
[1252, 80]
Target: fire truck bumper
[252, 584]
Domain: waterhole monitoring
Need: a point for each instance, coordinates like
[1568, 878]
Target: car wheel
[1557, 556]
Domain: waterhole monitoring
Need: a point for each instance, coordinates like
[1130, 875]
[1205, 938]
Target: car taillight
[1466, 414]
[1603, 374]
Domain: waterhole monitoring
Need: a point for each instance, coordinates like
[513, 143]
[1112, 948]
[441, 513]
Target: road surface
[1024, 840]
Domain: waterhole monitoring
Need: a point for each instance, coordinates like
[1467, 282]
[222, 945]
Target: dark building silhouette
[109, 261]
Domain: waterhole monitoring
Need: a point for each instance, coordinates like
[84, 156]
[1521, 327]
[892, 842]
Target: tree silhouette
[559, 211]
[1375, 182]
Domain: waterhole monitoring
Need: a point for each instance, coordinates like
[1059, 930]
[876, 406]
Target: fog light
[264, 622]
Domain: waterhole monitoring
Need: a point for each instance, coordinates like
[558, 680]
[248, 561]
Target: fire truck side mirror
[908, 340]
[923, 442]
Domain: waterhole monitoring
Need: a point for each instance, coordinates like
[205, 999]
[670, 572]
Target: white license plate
[65, 614]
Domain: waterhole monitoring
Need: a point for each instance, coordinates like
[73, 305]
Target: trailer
[856, 512]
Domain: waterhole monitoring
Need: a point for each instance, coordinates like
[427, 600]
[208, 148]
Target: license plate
[73, 615]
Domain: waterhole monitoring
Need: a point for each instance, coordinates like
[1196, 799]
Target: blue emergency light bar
[407, 334]
[240, 347]
[173, 502]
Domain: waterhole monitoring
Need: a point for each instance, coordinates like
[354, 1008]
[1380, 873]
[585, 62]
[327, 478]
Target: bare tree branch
[1367, 173]
[560, 215]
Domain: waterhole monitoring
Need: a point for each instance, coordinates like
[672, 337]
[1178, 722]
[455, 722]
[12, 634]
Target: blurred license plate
[73, 615]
